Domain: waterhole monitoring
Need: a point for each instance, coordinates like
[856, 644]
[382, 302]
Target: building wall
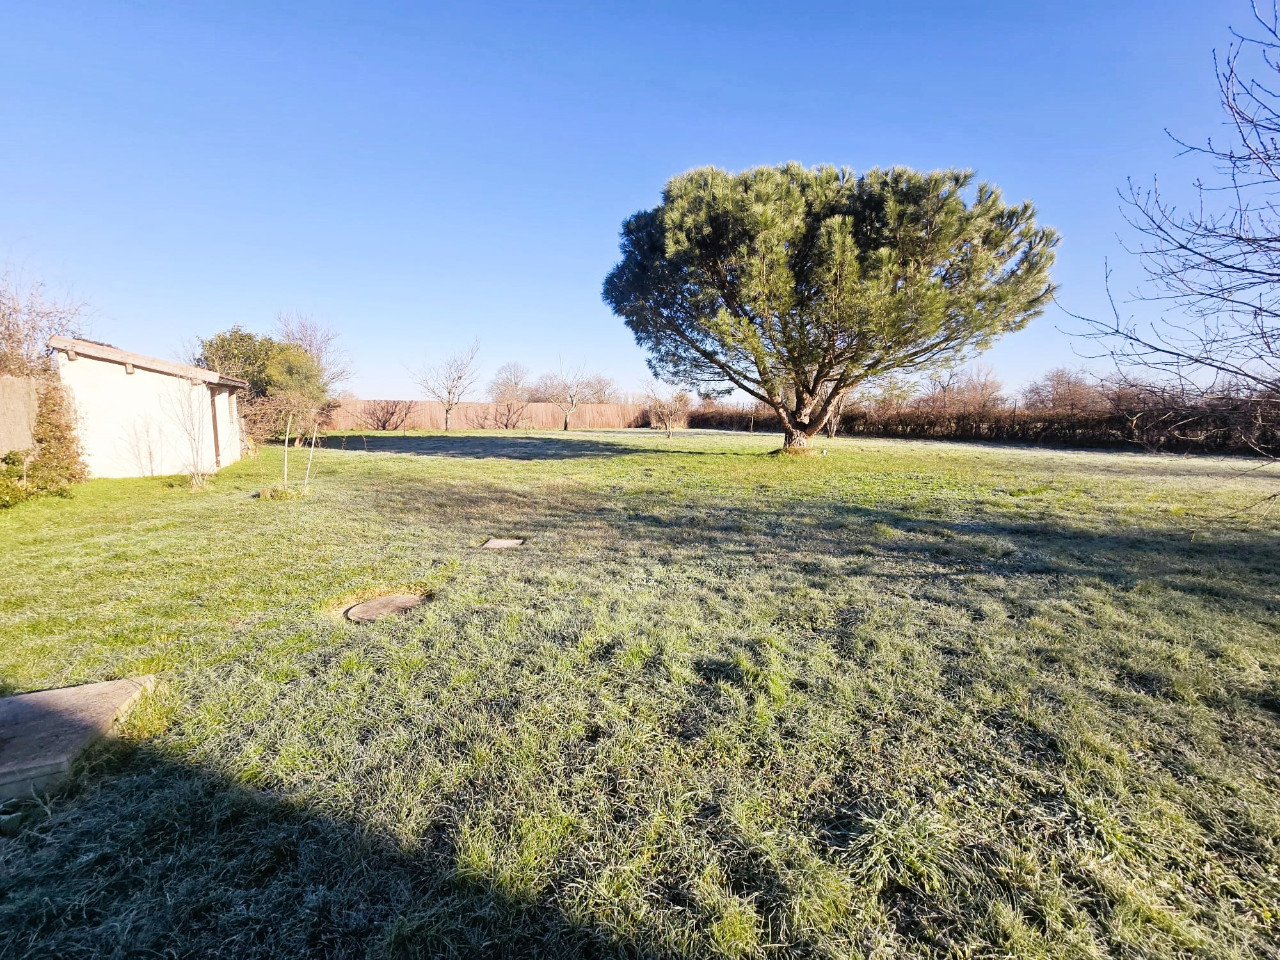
[18, 401]
[146, 423]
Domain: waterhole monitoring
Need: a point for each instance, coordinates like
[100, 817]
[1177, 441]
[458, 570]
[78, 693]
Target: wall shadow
[143, 856]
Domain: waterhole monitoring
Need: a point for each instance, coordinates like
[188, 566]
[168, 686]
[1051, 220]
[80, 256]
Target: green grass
[904, 699]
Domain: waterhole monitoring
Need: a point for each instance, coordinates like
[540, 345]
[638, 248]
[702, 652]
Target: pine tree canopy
[795, 285]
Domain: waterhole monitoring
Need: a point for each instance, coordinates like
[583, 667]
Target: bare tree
[318, 342]
[449, 381]
[187, 406]
[29, 316]
[972, 391]
[510, 382]
[838, 407]
[1067, 391]
[887, 395]
[1213, 270]
[384, 414]
[509, 393]
[597, 388]
[566, 390]
[668, 407]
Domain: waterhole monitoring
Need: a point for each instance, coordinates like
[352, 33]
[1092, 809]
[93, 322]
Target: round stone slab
[379, 607]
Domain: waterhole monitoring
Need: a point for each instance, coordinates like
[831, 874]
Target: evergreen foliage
[239, 353]
[796, 285]
[285, 381]
[55, 461]
[290, 372]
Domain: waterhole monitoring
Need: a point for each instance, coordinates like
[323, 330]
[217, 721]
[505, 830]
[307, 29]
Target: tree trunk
[794, 441]
[566, 421]
[447, 411]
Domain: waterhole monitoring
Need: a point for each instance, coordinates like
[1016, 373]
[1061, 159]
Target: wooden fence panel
[429, 415]
[18, 400]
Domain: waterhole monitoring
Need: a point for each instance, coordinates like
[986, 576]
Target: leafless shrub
[187, 407]
[1063, 408]
[266, 417]
[144, 440]
[384, 414]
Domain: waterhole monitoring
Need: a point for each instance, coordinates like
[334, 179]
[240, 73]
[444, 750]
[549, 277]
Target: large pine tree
[794, 285]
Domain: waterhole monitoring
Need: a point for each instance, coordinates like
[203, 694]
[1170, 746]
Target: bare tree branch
[319, 342]
[29, 316]
[566, 390]
[1212, 271]
[449, 381]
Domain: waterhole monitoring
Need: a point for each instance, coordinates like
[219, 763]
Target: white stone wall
[146, 423]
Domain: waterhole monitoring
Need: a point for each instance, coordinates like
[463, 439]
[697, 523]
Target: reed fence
[429, 415]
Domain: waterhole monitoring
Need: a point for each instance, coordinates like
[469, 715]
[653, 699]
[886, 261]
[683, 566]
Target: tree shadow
[1236, 568]
[966, 570]
[498, 446]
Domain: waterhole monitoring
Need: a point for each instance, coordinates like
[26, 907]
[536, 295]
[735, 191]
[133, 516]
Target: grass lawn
[906, 699]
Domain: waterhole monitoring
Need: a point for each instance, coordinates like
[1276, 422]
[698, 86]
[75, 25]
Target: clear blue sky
[416, 175]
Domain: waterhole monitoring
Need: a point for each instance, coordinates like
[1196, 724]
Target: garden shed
[138, 416]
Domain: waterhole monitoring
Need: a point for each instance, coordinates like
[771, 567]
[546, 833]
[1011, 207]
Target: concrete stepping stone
[497, 543]
[379, 607]
[41, 733]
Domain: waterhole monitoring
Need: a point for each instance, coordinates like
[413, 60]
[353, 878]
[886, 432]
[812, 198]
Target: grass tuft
[279, 492]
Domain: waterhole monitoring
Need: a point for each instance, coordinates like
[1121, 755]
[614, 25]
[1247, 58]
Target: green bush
[56, 460]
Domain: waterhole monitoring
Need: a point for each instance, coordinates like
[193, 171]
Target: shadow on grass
[1236, 568]
[149, 856]
[499, 446]
[144, 856]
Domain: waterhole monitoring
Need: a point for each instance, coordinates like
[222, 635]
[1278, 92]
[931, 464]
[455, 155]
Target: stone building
[139, 416]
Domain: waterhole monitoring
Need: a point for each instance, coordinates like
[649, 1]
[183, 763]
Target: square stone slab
[42, 732]
[497, 543]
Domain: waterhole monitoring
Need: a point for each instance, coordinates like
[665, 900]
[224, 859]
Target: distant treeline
[1065, 408]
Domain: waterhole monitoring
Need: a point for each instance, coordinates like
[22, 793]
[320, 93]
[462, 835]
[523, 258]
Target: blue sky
[419, 175]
